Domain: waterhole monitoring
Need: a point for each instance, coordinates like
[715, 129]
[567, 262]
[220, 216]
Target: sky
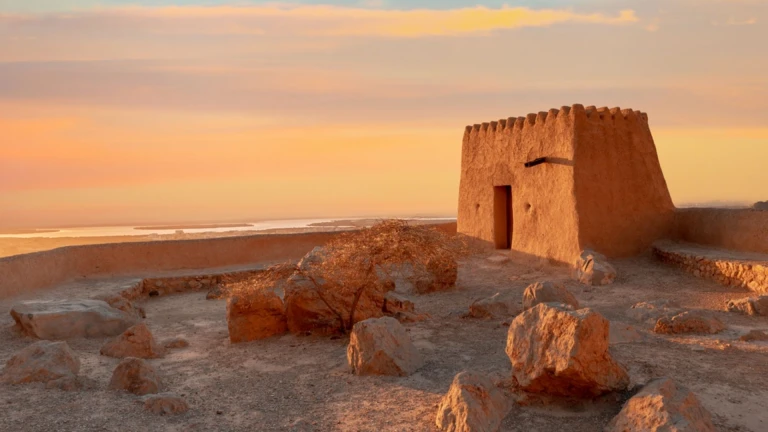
[150, 111]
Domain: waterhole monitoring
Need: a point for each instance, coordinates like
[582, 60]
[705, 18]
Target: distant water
[130, 230]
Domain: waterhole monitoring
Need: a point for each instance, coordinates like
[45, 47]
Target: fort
[554, 183]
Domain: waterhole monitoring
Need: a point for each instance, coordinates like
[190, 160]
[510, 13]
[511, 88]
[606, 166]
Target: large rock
[690, 322]
[164, 404]
[592, 268]
[137, 342]
[562, 352]
[321, 308]
[53, 363]
[760, 205]
[473, 404]
[749, 306]
[548, 292]
[255, 315]
[136, 376]
[499, 305]
[67, 319]
[381, 346]
[662, 406]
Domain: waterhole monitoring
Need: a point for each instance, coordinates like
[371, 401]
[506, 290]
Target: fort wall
[544, 220]
[622, 198]
[40, 270]
[744, 230]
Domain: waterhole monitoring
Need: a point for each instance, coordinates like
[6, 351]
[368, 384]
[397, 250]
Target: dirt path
[301, 383]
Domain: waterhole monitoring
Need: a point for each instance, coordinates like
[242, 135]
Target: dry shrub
[371, 258]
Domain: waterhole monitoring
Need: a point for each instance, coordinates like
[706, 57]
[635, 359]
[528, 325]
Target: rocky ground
[302, 383]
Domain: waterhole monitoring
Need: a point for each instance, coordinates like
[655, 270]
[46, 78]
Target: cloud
[735, 22]
[320, 20]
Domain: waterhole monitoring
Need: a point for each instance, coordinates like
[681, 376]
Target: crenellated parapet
[544, 118]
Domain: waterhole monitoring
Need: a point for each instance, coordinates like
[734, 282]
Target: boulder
[548, 292]
[255, 315]
[321, 308]
[561, 352]
[695, 321]
[67, 319]
[749, 306]
[53, 363]
[137, 342]
[396, 302]
[651, 311]
[592, 268]
[754, 336]
[381, 346]
[473, 404]
[164, 404]
[662, 405]
[119, 302]
[174, 343]
[499, 305]
[136, 376]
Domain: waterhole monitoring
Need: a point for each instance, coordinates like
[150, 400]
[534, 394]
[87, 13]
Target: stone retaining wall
[725, 269]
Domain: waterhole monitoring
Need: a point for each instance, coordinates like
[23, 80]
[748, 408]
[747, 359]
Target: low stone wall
[727, 268]
[735, 229]
[29, 272]
[161, 286]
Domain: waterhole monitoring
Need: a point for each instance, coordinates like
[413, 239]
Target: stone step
[731, 268]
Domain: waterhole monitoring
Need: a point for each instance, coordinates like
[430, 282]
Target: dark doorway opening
[502, 216]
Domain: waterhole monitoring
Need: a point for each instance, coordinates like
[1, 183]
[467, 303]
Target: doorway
[502, 216]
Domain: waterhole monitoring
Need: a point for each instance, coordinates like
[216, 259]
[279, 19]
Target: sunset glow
[160, 111]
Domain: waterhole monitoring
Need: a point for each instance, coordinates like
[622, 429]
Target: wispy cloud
[735, 22]
[322, 20]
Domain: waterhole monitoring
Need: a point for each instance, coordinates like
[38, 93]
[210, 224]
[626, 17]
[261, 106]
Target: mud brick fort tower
[553, 183]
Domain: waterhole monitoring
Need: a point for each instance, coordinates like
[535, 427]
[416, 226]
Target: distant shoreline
[178, 227]
[27, 231]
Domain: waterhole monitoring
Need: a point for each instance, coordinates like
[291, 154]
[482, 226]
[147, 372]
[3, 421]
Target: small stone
[164, 404]
[395, 302]
[689, 322]
[754, 336]
[473, 403]
[662, 406]
[749, 306]
[499, 305]
[381, 346]
[592, 268]
[137, 342]
[135, 376]
[548, 292]
[48, 362]
[175, 343]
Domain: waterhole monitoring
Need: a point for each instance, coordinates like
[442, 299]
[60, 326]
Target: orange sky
[116, 114]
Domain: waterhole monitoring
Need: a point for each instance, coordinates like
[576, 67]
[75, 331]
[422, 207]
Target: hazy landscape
[384, 216]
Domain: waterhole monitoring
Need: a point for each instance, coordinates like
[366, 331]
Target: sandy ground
[301, 383]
